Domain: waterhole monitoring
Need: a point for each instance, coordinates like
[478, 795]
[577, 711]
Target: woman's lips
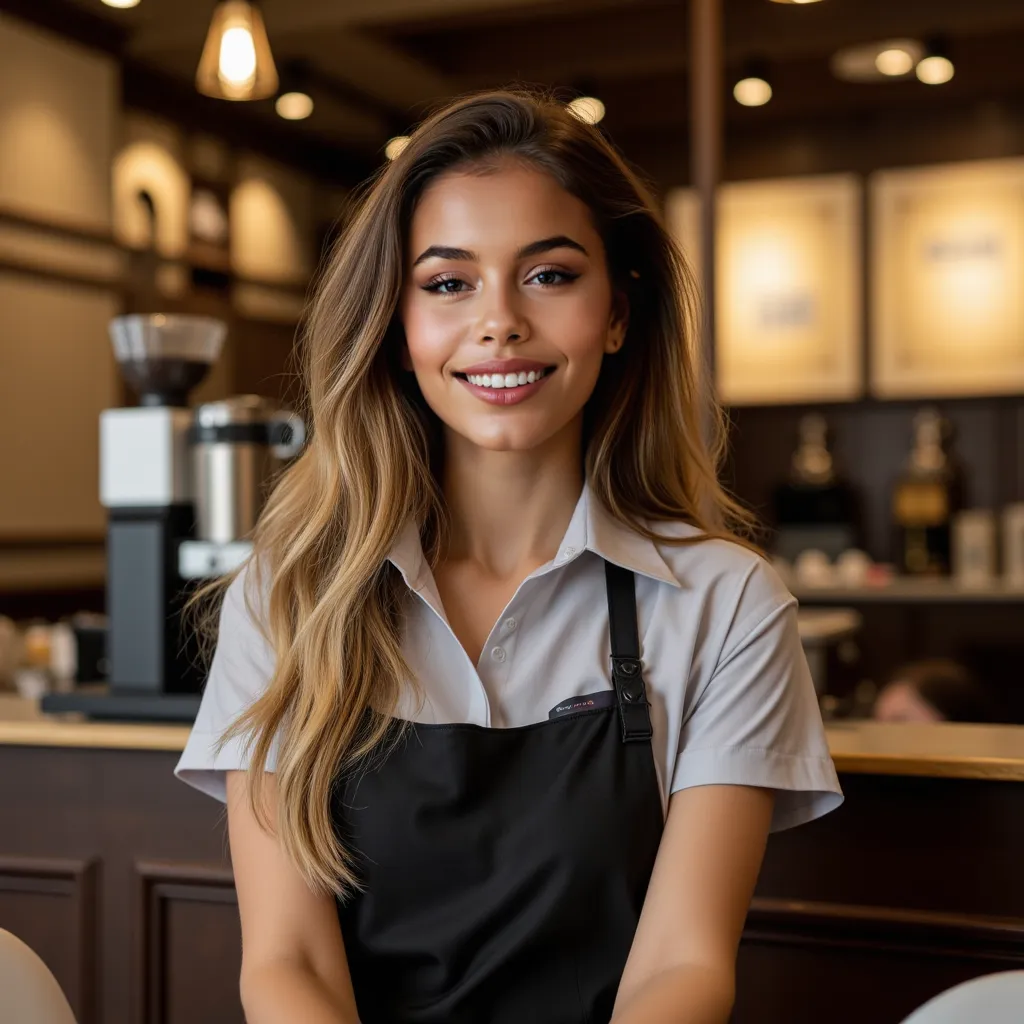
[505, 396]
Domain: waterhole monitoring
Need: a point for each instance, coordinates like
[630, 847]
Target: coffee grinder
[146, 487]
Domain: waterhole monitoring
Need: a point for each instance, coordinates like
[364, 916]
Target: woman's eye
[553, 277]
[445, 286]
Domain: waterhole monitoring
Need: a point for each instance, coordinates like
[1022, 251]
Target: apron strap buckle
[634, 709]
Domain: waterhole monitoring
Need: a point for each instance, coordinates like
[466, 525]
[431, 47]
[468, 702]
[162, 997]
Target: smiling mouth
[500, 381]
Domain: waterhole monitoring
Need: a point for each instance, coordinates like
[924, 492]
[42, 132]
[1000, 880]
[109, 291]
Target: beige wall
[271, 222]
[59, 114]
[58, 105]
[58, 373]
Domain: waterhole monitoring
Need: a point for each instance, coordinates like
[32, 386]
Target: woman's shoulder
[723, 568]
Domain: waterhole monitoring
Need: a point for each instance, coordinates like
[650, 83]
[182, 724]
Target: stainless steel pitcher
[237, 446]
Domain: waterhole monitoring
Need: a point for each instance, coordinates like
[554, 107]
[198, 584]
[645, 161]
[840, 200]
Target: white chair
[29, 993]
[990, 999]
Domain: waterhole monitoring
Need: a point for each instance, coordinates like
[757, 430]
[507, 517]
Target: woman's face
[507, 305]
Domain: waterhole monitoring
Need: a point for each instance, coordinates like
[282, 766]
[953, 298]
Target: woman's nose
[503, 321]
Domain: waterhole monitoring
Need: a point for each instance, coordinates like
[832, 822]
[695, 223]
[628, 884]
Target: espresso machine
[183, 488]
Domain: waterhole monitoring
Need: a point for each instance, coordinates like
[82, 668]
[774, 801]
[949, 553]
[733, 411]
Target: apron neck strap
[627, 674]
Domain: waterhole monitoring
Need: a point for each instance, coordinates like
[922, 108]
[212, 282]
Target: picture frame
[789, 299]
[947, 263]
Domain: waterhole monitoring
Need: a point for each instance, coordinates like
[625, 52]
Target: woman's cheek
[427, 336]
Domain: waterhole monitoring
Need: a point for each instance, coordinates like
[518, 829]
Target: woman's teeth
[504, 380]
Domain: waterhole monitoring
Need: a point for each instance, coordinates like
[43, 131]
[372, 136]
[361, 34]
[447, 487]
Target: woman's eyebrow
[448, 252]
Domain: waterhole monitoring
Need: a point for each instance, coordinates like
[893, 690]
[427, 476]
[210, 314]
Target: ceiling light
[794, 1]
[237, 63]
[587, 108]
[877, 62]
[122, 4]
[294, 106]
[395, 146]
[752, 92]
[894, 62]
[935, 70]
[753, 88]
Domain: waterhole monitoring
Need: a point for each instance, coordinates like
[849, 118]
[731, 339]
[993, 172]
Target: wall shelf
[911, 591]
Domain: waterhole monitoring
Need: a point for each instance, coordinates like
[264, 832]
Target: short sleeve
[242, 667]
[756, 722]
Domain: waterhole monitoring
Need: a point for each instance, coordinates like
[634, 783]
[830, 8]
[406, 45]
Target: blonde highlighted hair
[330, 602]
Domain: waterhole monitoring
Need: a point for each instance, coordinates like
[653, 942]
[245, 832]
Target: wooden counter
[948, 750]
[118, 875]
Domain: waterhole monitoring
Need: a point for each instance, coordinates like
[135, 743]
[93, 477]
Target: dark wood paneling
[912, 885]
[189, 945]
[147, 833]
[904, 958]
[50, 904]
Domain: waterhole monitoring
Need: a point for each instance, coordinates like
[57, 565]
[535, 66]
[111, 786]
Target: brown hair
[330, 601]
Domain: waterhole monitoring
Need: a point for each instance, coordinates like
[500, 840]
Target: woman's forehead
[504, 207]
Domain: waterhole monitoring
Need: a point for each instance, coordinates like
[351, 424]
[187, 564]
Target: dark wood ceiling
[376, 65]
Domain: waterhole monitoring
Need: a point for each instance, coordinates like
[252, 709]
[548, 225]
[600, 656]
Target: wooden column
[706, 137]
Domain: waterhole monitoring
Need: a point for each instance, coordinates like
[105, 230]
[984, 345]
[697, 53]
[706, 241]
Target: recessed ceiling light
[587, 108]
[752, 92]
[294, 106]
[395, 146]
[877, 62]
[894, 62]
[794, 1]
[122, 4]
[935, 70]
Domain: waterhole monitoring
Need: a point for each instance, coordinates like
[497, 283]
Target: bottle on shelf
[926, 498]
[815, 508]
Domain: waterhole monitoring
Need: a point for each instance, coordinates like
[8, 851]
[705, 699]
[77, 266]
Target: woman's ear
[619, 322]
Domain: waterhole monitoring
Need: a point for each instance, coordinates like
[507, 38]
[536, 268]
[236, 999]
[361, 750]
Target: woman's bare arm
[293, 958]
[681, 967]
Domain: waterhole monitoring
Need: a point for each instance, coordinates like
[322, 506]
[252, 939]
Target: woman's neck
[509, 510]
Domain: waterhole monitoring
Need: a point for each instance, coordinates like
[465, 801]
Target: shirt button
[510, 624]
[498, 653]
[568, 553]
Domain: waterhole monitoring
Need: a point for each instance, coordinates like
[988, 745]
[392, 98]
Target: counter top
[948, 750]
[23, 724]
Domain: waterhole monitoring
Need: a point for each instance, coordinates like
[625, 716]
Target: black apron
[505, 869]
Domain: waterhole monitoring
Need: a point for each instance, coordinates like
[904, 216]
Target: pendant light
[237, 63]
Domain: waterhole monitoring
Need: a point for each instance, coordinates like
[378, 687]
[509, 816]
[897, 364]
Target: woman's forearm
[284, 992]
[687, 994]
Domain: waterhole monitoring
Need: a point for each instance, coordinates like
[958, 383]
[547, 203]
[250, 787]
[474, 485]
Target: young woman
[501, 710]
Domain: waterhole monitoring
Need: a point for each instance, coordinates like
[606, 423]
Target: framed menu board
[948, 266]
[788, 304]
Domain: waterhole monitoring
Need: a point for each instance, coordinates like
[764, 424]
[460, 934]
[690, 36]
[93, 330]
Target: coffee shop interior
[846, 178]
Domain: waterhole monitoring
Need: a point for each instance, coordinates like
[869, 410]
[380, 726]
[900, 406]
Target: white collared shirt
[732, 701]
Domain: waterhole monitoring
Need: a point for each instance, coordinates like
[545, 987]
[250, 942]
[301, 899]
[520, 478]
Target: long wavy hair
[329, 602]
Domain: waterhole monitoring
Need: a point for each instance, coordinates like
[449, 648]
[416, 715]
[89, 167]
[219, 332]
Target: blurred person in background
[935, 690]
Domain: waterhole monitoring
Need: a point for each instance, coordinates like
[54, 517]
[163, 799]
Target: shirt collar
[407, 555]
[591, 528]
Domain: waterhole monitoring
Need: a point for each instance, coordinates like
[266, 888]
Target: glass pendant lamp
[236, 63]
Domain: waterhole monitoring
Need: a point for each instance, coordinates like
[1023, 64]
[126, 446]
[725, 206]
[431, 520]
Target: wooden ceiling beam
[172, 27]
[624, 43]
